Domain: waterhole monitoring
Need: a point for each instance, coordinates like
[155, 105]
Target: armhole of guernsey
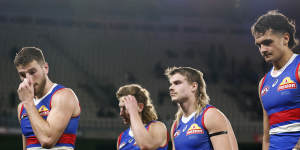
[202, 119]
[262, 84]
[174, 128]
[148, 127]
[119, 139]
[20, 115]
[297, 74]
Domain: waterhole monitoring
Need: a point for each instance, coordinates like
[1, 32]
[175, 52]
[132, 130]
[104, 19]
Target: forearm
[40, 127]
[142, 137]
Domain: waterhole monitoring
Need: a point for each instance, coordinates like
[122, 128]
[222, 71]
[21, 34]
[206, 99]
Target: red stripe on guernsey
[22, 107]
[119, 139]
[64, 139]
[262, 83]
[297, 74]
[282, 116]
[174, 128]
[52, 96]
[202, 120]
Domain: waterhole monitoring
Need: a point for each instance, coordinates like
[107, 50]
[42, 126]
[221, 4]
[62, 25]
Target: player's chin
[268, 59]
[174, 99]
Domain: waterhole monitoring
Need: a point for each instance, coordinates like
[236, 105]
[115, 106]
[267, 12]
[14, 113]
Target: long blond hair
[142, 96]
[191, 75]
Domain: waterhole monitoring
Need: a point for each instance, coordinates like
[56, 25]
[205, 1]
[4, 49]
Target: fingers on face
[26, 84]
[30, 81]
[23, 84]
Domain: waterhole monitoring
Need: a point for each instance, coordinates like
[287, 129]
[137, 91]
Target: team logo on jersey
[194, 129]
[43, 110]
[264, 91]
[287, 83]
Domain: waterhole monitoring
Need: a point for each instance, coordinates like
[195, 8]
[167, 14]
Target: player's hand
[131, 104]
[26, 91]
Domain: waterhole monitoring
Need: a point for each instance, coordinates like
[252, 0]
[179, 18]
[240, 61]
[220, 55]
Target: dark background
[94, 47]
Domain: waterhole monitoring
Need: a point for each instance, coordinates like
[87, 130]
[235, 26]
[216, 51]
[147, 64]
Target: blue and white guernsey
[280, 95]
[192, 135]
[67, 139]
[126, 140]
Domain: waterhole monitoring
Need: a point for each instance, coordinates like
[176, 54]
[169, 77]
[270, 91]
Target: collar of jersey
[130, 132]
[37, 101]
[277, 73]
[187, 119]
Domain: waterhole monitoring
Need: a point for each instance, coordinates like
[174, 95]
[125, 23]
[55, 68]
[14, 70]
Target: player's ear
[194, 86]
[45, 67]
[140, 107]
[286, 39]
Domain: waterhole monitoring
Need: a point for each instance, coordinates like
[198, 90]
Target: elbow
[47, 142]
[146, 147]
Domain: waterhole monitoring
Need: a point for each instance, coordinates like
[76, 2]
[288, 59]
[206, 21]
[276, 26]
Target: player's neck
[283, 60]
[188, 107]
[48, 86]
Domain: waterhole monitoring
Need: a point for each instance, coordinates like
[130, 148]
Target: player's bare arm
[48, 131]
[19, 118]
[266, 141]
[220, 130]
[297, 146]
[155, 137]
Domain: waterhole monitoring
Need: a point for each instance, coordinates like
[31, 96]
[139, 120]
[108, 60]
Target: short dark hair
[277, 22]
[27, 55]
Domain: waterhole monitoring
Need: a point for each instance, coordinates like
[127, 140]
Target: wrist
[133, 112]
[135, 115]
[28, 103]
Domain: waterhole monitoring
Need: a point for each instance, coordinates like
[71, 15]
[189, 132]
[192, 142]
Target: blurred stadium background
[95, 46]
